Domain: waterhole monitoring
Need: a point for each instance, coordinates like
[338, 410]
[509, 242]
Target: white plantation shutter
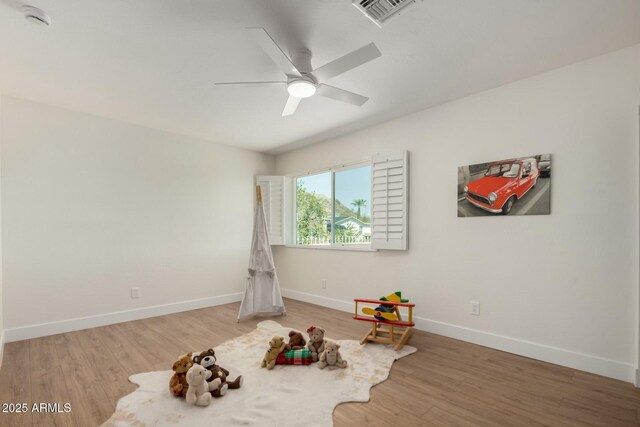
[389, 201]
[273, 200]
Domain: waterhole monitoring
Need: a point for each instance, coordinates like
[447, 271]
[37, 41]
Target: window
[334, 207]
[313, 209]
[352, 214]
[360, 207]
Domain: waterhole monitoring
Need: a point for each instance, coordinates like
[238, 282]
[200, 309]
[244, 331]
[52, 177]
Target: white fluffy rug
[285, 396]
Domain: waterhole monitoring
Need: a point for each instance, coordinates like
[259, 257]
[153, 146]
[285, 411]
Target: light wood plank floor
[447, 383]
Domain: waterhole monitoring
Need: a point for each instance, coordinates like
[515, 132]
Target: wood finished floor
[446, 383]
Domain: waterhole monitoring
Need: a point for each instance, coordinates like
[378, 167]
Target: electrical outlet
[475, 308]
[324, 284]
[135, 293]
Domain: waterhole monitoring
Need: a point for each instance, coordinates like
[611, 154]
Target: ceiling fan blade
[251, 84]
[341, 95]
[291, 106]
[271, 48]
[347, 62]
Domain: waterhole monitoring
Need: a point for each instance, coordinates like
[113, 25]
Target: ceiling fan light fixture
[301, 89]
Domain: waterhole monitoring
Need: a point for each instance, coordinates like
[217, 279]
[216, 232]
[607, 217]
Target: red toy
[388, 325]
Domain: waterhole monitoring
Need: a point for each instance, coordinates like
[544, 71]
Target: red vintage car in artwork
[503, 184]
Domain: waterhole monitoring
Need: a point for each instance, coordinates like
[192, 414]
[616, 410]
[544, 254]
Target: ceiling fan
[302, 80]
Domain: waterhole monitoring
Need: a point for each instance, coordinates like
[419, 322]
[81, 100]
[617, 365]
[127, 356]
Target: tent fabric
[262, 294]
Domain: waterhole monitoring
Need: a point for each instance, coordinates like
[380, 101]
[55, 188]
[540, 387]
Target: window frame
[293, 226]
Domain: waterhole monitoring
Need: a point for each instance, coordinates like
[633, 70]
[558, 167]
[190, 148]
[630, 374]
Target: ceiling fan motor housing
[305, 85]
[301, 58]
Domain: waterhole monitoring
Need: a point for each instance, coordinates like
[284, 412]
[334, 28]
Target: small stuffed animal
[316, 341]
[207, 359]
[198, 391]
[178, 384]
[276, 345]
[331, 356]
[296, 341]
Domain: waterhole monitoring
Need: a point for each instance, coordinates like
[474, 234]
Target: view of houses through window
[341, 216]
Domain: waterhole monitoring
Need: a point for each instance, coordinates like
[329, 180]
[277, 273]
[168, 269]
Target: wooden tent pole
[258, 194]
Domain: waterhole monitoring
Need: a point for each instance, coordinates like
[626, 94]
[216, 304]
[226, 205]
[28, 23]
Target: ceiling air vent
[381, 10]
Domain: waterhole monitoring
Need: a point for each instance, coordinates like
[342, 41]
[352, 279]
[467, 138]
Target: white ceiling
[154, 62]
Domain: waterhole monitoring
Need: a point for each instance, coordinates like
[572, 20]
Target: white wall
[561, 287]
[1, 282]
[92, 207]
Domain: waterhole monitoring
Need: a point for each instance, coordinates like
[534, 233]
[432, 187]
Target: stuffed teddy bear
[198, 391]
[276, 346]
[296, 341]
[178, 384]
[316, 341]
[331, 356]
[208, 359]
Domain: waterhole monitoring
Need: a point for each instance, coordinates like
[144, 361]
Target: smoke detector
[36, 16]
[379, 11]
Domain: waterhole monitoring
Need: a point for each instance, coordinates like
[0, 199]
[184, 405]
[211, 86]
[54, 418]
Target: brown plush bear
[208, 359]
[219, 391]
[178, 384]
[276, 346]
[296, 341]
[316, 341]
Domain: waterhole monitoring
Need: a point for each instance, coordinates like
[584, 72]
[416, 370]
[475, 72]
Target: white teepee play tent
[262, 294]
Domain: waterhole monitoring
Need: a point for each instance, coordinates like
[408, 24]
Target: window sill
[353, 248]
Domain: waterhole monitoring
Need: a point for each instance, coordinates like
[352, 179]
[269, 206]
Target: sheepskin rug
[284, 396]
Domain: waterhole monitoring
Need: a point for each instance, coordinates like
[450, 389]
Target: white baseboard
[318, 300]
[62, 326]
[559, 356]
